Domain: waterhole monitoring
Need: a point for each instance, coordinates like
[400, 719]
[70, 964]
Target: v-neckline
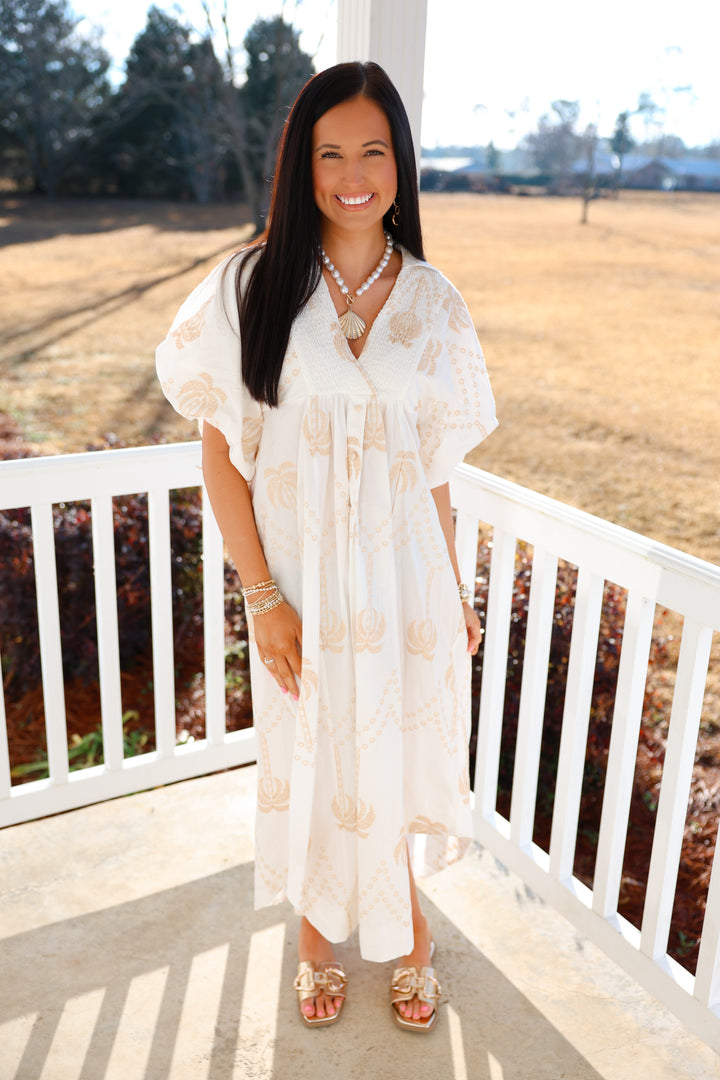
[356, 359]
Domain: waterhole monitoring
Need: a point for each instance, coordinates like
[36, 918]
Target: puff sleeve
[198, 365]
[456, 408]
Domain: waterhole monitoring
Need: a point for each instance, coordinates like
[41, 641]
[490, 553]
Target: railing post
[576, 717]
[532, 696]
[627, 715]
[676, 776]
[103, 538]
[5, 777]
[50, 641]
[213, 624]
[162, 620]
[495, 655]
[707, 974]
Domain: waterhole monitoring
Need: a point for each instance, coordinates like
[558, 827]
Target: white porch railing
[651, 573]
[41, 482]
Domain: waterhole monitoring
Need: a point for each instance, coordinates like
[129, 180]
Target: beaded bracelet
[259, 607]
[262, 586]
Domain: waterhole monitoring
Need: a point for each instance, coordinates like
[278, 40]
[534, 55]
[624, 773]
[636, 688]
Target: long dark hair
[286, 271]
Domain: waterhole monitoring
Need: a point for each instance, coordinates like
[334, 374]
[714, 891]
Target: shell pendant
[351, 324]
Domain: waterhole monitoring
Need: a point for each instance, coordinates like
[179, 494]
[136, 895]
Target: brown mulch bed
[26, 716]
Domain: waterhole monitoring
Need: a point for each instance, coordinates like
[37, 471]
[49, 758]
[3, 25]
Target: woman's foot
[419, 958]
[317, 950]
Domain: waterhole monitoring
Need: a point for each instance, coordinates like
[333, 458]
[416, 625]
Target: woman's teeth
[354, 200]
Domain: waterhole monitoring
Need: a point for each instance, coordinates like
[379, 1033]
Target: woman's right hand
[278, 636]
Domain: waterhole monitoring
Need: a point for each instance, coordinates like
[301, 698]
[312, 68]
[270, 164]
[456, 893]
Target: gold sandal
[309, 981]
[410, 982]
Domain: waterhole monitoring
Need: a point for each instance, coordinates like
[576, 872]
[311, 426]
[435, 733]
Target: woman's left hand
[474, 629]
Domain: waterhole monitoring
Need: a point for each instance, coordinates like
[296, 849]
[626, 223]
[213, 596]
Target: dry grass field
[602, 340]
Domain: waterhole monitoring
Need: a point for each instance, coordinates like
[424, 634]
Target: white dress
[376, 749]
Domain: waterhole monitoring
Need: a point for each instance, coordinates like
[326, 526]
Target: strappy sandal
[309, 981]
[410, 982]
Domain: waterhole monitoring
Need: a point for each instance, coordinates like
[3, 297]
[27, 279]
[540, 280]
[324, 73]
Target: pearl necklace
[351, 324]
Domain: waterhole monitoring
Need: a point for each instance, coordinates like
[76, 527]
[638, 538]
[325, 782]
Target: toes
[316, 1007]
[415, 1009]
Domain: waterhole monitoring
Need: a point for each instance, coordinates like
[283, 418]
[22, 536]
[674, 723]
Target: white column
[392, 33]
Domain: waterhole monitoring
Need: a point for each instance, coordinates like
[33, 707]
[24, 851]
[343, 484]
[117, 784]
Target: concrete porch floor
[130, 949]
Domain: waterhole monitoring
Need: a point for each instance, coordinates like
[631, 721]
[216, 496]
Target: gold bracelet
[261, 606]
[464, 593]
[262, 586]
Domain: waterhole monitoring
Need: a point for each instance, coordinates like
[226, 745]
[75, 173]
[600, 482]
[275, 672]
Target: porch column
[392, 33]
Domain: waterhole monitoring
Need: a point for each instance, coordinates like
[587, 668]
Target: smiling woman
[355, 184]
[341, 381]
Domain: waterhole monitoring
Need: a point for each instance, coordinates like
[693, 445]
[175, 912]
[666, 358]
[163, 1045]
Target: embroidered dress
[375, 751]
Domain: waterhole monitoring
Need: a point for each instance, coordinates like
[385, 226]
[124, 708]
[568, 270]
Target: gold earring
[396, 213]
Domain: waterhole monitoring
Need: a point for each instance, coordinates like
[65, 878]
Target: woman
[335, 415]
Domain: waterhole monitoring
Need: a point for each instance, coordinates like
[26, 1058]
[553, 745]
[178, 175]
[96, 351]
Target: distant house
[516, 171]
[655, 173]
[475, 173]
[681, 174]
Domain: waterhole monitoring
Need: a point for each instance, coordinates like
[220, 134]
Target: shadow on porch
[131, 949]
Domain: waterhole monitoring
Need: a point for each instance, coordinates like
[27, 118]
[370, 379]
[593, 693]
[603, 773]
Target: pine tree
[52, 85]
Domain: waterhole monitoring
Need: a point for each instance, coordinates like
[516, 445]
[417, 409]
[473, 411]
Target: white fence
[652, 575]
[42, 482]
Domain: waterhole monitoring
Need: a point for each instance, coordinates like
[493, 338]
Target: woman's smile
[356, 202]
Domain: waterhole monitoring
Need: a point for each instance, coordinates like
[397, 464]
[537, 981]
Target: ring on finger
[269, 659]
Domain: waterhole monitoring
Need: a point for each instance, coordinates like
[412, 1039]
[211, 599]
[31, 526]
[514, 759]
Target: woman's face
[354, 172]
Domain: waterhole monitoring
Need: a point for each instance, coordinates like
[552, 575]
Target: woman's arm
[441, 495]
[278, 633]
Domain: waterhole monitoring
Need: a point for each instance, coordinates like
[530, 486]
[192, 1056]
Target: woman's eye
[329, 154]
[379, 153]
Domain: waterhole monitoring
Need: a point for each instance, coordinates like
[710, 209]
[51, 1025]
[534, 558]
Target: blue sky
[491, 69]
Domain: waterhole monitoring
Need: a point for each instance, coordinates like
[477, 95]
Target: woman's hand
[278, 635]
[474, 629]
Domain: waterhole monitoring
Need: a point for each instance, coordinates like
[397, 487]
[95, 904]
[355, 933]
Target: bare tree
[255, 112]
[590, 139]
[554, 146]
[651, 114]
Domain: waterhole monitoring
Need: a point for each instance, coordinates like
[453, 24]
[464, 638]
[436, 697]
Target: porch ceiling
[131, 948]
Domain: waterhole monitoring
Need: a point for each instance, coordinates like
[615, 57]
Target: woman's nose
[355, 170]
